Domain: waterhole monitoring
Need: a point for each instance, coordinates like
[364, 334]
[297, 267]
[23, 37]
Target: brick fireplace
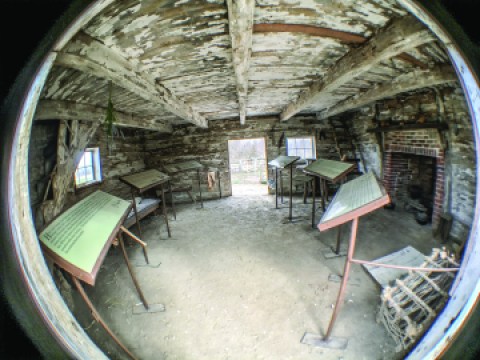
[415, 157]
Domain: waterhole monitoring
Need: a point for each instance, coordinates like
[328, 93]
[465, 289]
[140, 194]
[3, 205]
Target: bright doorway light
[248, 166]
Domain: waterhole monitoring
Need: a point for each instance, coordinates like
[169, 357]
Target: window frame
[96, 166]
[306, 137]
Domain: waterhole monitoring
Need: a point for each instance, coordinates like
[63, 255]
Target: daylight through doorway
[248, 168]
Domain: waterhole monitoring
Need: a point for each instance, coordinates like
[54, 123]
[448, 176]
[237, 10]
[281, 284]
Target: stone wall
[210, 146]
[126, 155]
[41, 160]
[456, 143]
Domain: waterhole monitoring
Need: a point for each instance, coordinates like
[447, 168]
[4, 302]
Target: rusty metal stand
[314, 181]
[200, 188]
[164, 210]
[147, 307]
[328, 341]
[291, 218]
[137, 220]
[98, 318]
[219, 185]
[332, 252]
[276, 188]
[173, 200]
[137, 240]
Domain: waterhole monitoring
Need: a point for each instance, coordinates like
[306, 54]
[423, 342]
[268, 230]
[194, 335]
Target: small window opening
[88, 170]
[301, 146]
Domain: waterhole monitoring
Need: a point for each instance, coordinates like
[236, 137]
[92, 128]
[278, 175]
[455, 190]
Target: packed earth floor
[238, 282]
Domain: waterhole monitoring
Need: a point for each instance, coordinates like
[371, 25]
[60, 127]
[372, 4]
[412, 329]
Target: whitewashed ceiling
[194, 61]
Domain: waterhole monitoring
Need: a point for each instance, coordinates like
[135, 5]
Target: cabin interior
[359, 82]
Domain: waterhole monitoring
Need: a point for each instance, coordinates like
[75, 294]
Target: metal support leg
[281, 187]
[305, 191]
[164, 210]
[325, 190]
[346, 273]
[276, 188]
[98, 318]
[137, 240]
[314, 181]
[328, 341]
[173, 200]
[339, 239]
[322, 193]
[291, 194]
[219, 184]
[130, 270]
[200, 188]
[136, 214]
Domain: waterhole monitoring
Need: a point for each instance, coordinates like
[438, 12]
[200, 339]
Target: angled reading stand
[78, 240]
[355, 198]
[326, 170]
[147, 180]
[190, 165]
[280, 163]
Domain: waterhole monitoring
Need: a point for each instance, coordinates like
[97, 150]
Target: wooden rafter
[418, 79]
[67, 110]
[343, 36]
[400, 36]
[99, 60]
[240, 21]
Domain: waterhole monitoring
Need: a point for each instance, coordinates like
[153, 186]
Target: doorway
[248, 166]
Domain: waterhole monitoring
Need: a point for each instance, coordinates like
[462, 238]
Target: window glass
[301, 146]
[88, 170]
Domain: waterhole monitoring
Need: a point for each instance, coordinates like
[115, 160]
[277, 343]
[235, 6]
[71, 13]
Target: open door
[248, 167]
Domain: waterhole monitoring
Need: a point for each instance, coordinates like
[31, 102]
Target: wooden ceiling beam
[399, 36]
[411, 81]
[88, 55]
[343, 36]
[68, 110]
[412, 60]
[240, 23]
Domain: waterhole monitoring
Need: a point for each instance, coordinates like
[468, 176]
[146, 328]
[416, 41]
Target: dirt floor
[238, 282]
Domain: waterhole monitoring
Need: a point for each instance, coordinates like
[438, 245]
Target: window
[88, 169]
[301, 146]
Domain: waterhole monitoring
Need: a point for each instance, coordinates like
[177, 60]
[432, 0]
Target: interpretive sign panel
[329, 169]
[354, 198]
[283, 161]
[145, 179]
[183, 166]
[79, 238]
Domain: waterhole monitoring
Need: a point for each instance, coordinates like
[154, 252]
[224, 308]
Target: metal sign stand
[280, 163]
[354, 199]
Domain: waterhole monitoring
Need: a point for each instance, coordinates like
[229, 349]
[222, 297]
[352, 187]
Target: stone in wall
[41, 160]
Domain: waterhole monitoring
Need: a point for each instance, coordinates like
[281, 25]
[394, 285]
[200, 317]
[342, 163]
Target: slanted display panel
[354, 198]
[283, 161]
[79, 235]
[183, 166]
[329, 169]
[145, 179]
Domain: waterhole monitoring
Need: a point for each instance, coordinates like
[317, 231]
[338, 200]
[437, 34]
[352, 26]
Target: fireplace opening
[413, 181]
